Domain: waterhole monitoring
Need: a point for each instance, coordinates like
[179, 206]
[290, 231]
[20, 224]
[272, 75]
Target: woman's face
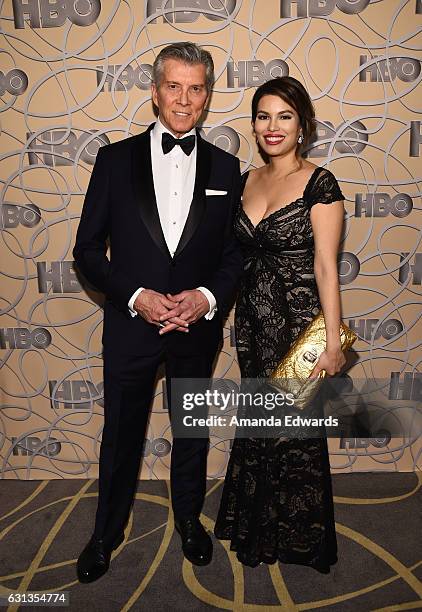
[277, 126]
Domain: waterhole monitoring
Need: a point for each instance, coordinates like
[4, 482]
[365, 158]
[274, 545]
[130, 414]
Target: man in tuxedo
[165, 201]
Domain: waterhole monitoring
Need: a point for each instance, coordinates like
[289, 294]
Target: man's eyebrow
[192, 85]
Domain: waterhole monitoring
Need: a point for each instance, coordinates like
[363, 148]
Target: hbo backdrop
[76, 75]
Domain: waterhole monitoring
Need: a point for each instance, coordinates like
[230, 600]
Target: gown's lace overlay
[277, 499]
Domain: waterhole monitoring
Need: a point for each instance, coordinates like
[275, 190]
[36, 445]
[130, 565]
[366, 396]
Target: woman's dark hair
[293, 92]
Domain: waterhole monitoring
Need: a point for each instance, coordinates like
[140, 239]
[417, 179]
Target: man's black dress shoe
[94, 560]
[196, 543]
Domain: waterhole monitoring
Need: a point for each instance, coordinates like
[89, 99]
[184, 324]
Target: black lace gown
[277, 502]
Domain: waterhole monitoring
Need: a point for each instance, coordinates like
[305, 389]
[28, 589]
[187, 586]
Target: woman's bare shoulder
[255, 174]
[308, 168]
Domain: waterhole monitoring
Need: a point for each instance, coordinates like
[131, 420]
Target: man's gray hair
[187, 52]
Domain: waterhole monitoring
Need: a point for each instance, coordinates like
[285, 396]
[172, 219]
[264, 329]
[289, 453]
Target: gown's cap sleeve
[323, 189]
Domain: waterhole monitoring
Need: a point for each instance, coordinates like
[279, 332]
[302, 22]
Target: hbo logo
[70, 393]
[414, 268]
[160, 447]
[381, 204]
[177, 13]
[350, 139]
[47, 14]
[415, 138]
[253, 73]
[365, 328]
[321, 8]
[23, 338]
[15, 82]
[224, 137]
[11, 215]
[348, 267]
[407, 388]
[32, 445]
[140, 76]
[381, 439]
[55, 150]
[407, 69]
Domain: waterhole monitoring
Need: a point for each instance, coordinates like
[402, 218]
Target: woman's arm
[327, 223]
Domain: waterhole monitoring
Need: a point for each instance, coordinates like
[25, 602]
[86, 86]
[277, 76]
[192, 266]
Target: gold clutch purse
[292, 373]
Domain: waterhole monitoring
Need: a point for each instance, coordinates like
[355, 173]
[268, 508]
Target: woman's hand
[330, 361]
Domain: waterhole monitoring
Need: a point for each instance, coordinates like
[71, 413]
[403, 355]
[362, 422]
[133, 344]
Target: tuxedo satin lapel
[197, 207]
[143, 182]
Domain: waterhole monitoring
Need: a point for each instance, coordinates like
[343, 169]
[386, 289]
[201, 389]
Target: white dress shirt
[174, 181]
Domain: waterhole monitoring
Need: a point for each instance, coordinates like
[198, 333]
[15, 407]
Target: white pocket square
[210, 192]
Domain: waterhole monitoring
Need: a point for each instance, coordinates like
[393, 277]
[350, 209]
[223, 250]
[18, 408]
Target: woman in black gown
[277, 502]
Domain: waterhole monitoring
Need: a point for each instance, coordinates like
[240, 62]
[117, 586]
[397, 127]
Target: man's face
[181, 96]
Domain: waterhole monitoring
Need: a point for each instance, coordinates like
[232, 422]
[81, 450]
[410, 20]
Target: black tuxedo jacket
[120, 207]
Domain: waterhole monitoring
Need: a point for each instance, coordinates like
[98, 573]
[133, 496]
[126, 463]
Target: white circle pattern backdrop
[76, 74]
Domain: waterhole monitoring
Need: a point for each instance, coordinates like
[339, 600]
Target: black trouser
[128, 391]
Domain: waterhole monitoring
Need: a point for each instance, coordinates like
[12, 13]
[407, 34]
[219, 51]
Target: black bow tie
[168, 142]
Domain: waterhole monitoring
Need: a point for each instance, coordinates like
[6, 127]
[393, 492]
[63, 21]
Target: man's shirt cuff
[211, 301]
[132, 301]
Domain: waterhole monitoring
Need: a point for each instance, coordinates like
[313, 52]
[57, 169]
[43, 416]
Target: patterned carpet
[45, 524]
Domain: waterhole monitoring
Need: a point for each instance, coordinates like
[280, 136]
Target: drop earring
[300, 139]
